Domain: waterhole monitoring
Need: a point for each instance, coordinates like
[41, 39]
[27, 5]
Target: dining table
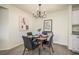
[40, 38]
[33, 36]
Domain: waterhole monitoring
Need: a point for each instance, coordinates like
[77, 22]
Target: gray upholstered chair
[29, 44]
[48, 43]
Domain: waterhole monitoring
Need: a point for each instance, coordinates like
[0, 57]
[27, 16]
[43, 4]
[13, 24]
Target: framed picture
[22, 24]
[47, 25]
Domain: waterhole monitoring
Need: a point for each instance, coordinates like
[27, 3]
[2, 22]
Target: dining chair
[44, 32]
[29, 33]
[29, 44]
[48, 43]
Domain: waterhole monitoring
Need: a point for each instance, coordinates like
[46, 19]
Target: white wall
[15, 34]
[70, 28]
[60, 25]
[14, 37]
[3, 28]
[37, 23]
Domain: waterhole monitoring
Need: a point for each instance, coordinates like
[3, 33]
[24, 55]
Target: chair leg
[52, 49]
[24, 51]
[39, 50]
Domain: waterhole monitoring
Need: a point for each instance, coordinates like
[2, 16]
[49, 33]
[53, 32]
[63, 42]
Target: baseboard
[60, 44]
[12, 47]
[76, 52]
[16, 45]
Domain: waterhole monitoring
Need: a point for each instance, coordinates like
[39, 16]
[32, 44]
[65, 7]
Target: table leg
[39, 50]
[40, 47]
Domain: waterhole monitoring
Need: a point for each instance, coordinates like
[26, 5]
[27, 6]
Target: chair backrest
[29, 33]
[44, 32]
[50, 38]
[28, 43]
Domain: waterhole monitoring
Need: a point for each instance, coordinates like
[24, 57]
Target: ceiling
[46, 7]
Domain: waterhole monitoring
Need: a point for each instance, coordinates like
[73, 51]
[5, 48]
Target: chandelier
[39, 13]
